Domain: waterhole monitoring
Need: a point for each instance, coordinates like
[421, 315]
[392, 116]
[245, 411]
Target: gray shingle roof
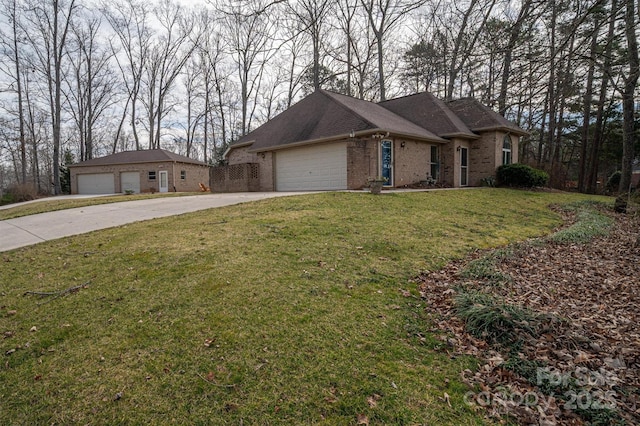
[325, 115]
[479, 117]
[144, 156]
[429, 112]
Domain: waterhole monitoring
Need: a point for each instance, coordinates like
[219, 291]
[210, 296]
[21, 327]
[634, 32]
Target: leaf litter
[582, 365]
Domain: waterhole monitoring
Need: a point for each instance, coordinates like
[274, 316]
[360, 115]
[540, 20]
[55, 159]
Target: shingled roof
[429, 112]
[324, 116]
[479, 117]
[144, 156]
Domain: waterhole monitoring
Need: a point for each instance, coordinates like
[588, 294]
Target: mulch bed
[588, 351]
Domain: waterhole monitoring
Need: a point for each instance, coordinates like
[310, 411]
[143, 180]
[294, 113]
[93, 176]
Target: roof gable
[143, 156]
[326, 115]
[479, 117]
[429, 112]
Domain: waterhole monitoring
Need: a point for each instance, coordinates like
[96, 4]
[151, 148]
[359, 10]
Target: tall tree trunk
[586, 112]
[18, 70]
[628, 104]
[594, 155]
[514, 35]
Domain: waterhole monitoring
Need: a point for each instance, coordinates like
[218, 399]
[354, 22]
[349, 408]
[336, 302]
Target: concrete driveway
[28, 230]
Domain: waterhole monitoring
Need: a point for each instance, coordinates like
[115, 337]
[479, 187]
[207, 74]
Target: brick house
[155, 170]
[329, 141]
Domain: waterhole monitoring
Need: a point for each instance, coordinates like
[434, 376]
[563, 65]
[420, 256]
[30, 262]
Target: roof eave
[461, 135]
[236, 145]
[519, 132]
[335, 138]
[122, 163]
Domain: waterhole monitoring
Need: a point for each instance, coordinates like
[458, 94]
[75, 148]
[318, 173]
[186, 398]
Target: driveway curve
[34, 229]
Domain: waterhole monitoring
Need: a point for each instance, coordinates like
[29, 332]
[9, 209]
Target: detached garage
[151, 171]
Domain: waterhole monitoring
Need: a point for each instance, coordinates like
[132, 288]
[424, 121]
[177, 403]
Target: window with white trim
[435, 162]
[506, 150]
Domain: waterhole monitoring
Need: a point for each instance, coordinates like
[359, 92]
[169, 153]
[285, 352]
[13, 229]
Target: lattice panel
[254, 171]
[237, 172]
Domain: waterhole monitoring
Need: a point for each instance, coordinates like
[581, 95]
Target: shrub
[613, 182]
[521, 175]
[489, 181]
[20, 192]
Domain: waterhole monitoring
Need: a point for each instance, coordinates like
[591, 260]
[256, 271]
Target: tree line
[83, 78]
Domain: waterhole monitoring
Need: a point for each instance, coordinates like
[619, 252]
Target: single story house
[155, 170]
[329, 141]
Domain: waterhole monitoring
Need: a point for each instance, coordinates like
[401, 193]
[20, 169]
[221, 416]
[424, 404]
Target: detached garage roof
[323, 116]
[145, 156]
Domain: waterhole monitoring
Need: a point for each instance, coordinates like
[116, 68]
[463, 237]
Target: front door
[464, 166]
[386, 161]
[164, 181]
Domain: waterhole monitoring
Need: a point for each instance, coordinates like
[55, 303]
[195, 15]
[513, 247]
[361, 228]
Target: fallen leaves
[590, 298]
[372, 400]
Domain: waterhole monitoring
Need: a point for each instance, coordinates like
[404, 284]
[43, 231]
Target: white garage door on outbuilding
[130, 181]
[96, 183]
[317, 167]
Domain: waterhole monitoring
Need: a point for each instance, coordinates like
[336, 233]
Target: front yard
[295, 310]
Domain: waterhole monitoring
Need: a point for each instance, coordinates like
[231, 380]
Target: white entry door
[164, 181]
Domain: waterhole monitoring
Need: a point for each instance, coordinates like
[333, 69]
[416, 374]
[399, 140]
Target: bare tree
[383, 16]
[195, 113]
[311, 15]
[91, 84]
[249, 37]
[174, 43]
[49, 22]
[630, 78]
[12, 49]
[476, 13]
[129, 19]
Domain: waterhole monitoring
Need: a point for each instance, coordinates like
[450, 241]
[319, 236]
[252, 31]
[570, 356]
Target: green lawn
[285, 311]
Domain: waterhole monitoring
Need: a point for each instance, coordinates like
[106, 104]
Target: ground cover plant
[53, 204]
[558, 337]
[300, 310]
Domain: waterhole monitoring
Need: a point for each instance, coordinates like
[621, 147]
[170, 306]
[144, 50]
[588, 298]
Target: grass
[284, 311]
[590, 223]
[493, 320]
[53, 204]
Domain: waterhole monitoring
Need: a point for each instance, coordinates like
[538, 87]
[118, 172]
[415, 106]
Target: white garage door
[130, 181]
[318, 167]
[97, 183]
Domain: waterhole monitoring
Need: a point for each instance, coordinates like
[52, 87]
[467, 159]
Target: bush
[613, 182]
[521, 175]
[18, 193]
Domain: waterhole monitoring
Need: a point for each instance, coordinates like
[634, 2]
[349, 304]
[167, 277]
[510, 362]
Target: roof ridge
[331, 95]
[334, 96]
[448, 115]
